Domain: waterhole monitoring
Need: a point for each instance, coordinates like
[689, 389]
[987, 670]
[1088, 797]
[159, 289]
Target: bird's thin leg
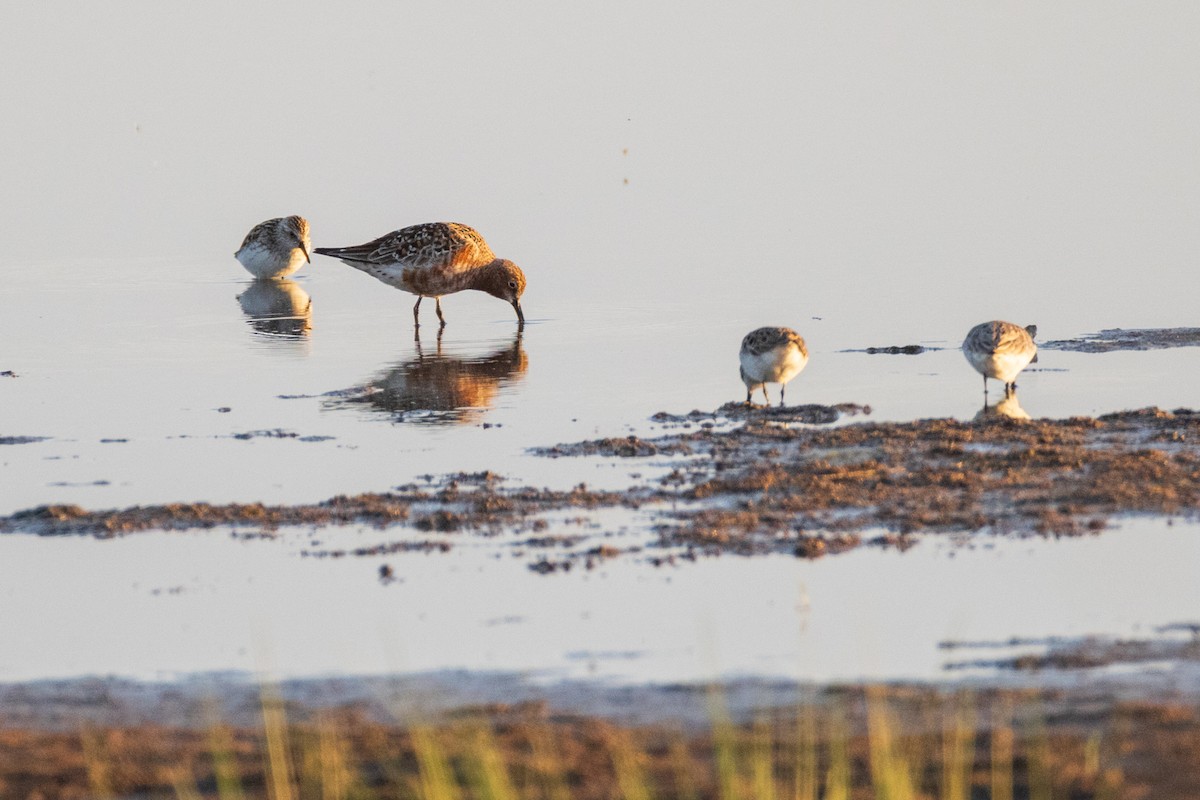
[766, 397]
[782, 386]
[749, 396]
[417, 312]
[441, 319]
[1010, 389]
[985, 388]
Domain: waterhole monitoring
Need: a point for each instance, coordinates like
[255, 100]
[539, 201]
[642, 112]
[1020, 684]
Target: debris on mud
[734, 411]
[1127, 339]
[761, 486]
[22, 439]
[895, 350]
[418, 546]
[620, 447]
[811, 414]
[266, 433]
[279, 433]
[460, 504]
[769, 487]
[1085, 653]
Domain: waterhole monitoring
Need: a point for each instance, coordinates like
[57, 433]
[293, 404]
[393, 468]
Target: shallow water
[160, 387]
[160, 606]
[669, 178]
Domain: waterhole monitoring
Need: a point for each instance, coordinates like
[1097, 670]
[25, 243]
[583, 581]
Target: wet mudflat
[765, 485]
[1111, 339]
[1105, 341]
[202, 473]
[755, 480]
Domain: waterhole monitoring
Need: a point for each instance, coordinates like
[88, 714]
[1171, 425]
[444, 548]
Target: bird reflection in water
[442, 388]
[277, 308]
[1009, 407]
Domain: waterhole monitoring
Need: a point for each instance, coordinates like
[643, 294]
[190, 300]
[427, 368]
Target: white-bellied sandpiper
[275, 248]
[771, 355]
[1000, 350]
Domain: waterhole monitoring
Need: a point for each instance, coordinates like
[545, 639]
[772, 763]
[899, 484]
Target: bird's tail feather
[345, 253]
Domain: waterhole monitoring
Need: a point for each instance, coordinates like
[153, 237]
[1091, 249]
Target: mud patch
[763, 487]
[463, 504]
[266, 433]
[895, 350]
[811, 414]
[637, 447]
[1127, 339]
[278, 433]
[747, 481]
[22, 439]
[1081, 654]
[622, 447]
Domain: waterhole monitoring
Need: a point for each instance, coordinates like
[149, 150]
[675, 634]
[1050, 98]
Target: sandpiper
[275, 248]
[1000, 350]
[435, 259]
[771, 355]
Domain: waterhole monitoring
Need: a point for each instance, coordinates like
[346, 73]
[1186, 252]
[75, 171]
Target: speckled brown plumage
[435, 259]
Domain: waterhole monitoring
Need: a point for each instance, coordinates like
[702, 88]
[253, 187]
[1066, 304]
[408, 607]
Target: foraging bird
[1000, 350]
[435, 259]
[771, 355]
[275, 248]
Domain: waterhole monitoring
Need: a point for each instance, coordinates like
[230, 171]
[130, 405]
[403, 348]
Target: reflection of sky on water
[175, 603]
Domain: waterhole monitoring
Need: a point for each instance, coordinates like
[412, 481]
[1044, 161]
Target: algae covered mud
[753, 480]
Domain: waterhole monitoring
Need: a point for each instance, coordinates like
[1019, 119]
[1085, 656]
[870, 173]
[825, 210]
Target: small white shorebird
[275, 248]
[433, 259]
[771, 355]
[1000, 350]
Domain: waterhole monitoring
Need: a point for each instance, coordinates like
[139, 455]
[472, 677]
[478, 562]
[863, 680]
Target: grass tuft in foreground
[884, 744]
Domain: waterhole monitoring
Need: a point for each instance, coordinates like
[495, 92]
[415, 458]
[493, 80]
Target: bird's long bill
[520, 314]
[304, 250]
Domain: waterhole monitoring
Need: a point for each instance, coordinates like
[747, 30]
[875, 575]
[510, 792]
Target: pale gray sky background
[932, 153]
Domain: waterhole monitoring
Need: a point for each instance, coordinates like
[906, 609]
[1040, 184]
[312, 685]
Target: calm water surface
[669, 178]
[162, 606]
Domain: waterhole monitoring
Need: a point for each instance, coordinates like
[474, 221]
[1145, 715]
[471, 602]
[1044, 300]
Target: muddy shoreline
[748, 480]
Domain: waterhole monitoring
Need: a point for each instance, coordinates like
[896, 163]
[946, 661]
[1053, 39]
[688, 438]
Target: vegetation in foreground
[875, 743]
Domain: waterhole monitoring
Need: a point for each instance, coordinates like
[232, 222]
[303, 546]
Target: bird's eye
[512, 284]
